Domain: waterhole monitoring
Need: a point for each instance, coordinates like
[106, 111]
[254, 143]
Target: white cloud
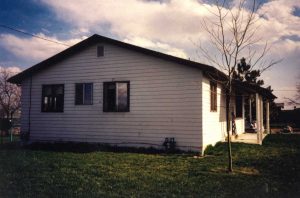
[13, 69]
[278, 19]
[173, 21]
[34, 48]
[168, 26]
[157, 46]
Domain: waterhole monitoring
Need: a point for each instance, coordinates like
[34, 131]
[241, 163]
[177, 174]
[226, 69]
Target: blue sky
[171, 26]
[30, 16]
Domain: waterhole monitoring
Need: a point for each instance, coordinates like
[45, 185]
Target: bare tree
[10, 94]
[296, 99]
[232, 34]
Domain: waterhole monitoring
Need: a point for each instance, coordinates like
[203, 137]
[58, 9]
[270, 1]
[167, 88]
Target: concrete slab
[249, 138]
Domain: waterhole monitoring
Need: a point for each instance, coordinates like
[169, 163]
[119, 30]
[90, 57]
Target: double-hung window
[116, 96]
[53, 98]
[83, 93]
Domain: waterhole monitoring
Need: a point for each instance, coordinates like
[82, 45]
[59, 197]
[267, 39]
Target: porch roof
[253, 88]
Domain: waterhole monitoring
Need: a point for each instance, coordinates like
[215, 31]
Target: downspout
[29, 112]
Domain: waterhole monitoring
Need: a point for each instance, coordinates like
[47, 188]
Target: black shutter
[78, 94]
[105, 108]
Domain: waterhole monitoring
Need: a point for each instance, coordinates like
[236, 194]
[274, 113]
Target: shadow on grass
[94, 147]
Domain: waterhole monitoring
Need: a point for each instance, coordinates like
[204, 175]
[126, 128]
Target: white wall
[165, 101]
[240, 123]
[214, 123]
[25, 103]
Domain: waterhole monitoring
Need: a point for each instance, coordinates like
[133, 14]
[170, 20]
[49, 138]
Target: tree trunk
[228, 93]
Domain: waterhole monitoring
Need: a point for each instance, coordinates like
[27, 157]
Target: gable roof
[209, 71]
[17, 79]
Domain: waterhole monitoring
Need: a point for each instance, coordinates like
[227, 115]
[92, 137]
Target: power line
[285, 90]
[33, 35]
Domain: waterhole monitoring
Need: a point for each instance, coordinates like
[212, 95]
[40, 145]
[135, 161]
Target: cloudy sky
[169, 26]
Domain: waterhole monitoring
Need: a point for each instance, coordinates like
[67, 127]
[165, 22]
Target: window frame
[43, 96]
[213, 96]
[83, 93]
[104, 96]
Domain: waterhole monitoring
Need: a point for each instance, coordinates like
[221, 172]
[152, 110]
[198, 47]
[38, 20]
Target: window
[100, 51]
[83, 93]
[239, 106]
[213, 96]
[116, 96]
[53, 98]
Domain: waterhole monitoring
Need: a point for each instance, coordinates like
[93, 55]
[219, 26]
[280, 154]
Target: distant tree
[10, 94]
[244, 72]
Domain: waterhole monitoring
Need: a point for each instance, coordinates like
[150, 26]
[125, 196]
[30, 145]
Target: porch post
[250, 110]
[268, 116]
[258, 127]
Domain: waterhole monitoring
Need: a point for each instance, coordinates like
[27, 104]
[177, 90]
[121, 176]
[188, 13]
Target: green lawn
[271, 170]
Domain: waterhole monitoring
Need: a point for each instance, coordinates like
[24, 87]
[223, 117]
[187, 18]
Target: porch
[255, 110]
[249, 138]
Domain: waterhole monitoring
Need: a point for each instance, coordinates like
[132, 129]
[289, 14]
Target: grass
[271, 170]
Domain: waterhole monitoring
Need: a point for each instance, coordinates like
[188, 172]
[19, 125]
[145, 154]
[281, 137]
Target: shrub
[209, 150]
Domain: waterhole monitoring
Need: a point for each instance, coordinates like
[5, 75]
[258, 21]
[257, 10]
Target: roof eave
[253, 88]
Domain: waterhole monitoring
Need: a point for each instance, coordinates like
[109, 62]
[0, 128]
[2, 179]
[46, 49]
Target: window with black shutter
[53, 98]
[213, 96]
[84, 93]
[116, 96]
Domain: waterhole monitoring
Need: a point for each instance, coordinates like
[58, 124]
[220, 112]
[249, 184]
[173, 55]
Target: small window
[213, 96]
[83, 93]
[239, 106]
[116, 96]
[100, 51]
[53, 98]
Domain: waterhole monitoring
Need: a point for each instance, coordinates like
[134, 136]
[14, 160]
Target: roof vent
[100, 51]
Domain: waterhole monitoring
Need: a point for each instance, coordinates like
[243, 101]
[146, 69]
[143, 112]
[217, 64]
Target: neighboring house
[280, 106]
[106, 91]
[290, 117]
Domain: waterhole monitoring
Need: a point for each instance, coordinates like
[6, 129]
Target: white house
[106, 91]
